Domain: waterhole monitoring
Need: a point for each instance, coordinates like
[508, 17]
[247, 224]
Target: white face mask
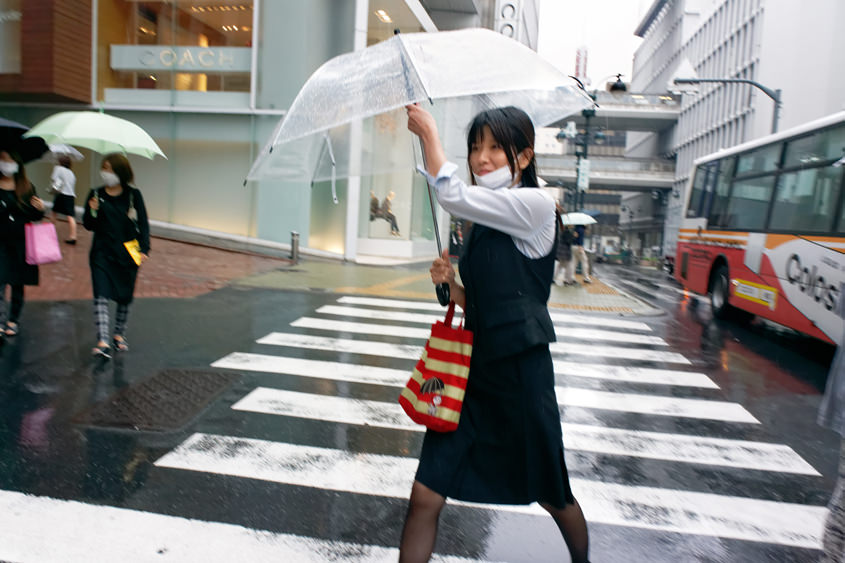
[109, 178]
[500, 178]
[8, 168]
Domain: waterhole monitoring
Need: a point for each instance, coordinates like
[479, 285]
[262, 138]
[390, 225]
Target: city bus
[763, 231]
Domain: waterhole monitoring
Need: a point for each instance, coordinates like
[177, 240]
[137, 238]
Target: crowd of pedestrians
[114, 212]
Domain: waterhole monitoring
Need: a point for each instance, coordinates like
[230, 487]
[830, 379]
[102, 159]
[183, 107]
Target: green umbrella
[97, 131]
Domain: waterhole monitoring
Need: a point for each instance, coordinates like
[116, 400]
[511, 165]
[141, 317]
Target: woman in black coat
[116, 214]
[19, 205]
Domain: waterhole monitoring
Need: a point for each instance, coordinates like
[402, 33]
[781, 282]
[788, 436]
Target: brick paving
[175, 269]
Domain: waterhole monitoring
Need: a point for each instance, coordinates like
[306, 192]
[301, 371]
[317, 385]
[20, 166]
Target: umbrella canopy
[577, 218]
[97, 131]
[11, 139]
[58, 150]
[11, 132]
[474, 69]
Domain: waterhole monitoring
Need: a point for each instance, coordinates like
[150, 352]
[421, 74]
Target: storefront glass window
[175, 53]
[10, 36]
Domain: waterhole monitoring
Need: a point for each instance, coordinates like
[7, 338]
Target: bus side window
[697, 191]
[805, 200]
[717, 216]
[749, 203]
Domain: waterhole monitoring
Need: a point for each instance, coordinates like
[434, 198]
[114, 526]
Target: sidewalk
[183, 270]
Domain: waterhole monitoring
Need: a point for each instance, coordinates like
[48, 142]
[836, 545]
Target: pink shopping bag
[42, 244]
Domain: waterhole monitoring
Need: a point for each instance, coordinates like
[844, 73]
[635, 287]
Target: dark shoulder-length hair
[513, 129]
[23, 188]
[120, 166]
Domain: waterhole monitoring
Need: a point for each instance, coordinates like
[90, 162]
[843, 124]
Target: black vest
[506, 295]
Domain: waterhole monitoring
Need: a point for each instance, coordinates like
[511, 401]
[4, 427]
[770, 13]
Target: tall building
[209, 80]
[757, 40]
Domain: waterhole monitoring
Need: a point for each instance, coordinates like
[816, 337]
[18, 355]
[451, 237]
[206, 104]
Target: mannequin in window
[387, 213]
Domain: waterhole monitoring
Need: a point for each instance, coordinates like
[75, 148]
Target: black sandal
[120, 345]
[10, 330]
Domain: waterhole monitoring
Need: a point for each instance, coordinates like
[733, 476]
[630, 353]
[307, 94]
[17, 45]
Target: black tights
[424, 508]
[16, 304]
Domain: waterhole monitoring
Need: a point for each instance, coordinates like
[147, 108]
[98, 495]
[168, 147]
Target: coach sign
[182, 59]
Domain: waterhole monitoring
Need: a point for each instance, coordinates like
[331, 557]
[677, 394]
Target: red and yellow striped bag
[435, 392]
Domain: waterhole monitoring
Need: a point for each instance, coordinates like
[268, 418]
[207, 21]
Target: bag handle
[450, 312]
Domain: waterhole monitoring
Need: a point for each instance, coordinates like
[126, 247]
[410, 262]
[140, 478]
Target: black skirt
[508, 448]
[64, 205]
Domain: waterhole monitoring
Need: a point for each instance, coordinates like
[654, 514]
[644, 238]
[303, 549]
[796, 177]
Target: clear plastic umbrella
[466, 71]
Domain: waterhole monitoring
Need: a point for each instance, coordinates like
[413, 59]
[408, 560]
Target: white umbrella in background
[577, 218]
[60, 149]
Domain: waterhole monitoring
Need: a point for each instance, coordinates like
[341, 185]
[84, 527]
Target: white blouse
[63, 181]
[526, 214]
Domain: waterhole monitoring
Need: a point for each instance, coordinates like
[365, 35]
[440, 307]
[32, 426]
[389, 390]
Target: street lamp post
[773, 94]
[582, 164]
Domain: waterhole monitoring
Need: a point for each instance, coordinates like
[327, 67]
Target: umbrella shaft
[431, 202]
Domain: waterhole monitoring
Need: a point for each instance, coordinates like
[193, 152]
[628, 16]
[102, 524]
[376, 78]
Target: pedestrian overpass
[619, 112]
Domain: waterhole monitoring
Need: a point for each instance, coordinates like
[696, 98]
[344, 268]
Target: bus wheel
[719, 293]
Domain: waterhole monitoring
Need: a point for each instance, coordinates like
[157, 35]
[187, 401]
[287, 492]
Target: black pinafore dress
[508, 448]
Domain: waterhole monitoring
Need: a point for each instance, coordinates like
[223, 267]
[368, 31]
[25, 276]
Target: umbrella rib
[410, 57]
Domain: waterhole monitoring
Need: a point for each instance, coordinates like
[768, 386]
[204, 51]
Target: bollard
[294, 247]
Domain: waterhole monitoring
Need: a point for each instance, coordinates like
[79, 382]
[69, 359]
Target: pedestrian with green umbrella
[116, 214]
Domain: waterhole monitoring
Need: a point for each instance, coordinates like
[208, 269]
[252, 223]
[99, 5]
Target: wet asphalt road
[281, 462]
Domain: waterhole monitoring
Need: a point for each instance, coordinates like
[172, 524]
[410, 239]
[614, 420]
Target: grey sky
[606, 27]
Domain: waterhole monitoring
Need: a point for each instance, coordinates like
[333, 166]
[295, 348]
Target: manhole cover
[167, 401]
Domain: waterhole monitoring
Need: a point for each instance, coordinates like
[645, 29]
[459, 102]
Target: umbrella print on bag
[97, 131]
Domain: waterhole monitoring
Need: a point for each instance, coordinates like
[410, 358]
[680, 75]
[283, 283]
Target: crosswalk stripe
[391, 476]
[405, 351]
[395, 377]
[565, 333]
[634, 374]
[394, 303]
[558, 318]
[335, 371]
[680, 448]
[578, 349]
[567, 396]
[50, 530]
[653, 404]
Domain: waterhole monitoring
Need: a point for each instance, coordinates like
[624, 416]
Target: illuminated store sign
[183, 59]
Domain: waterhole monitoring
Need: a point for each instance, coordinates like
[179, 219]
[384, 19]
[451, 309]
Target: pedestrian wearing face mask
[116, 214]
[508, 446]
[19, 205]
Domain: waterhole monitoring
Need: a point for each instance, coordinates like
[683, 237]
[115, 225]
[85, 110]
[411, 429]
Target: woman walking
[116, 214]
[64, 184]
[508, 447]
[19, 205]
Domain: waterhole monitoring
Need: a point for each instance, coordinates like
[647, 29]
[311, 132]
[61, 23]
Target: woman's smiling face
[486, 154]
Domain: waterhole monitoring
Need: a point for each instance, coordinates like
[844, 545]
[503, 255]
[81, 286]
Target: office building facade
[765, 41]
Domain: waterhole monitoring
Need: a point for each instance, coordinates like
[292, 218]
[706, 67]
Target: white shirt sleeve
[527, 214]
